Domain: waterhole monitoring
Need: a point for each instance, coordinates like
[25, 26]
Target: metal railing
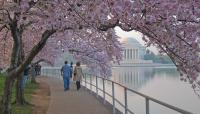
[88, 80]
[125, 104]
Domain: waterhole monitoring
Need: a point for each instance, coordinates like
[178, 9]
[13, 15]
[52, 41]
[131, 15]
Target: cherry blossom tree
[21, 16]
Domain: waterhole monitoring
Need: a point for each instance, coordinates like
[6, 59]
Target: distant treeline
[164, 59]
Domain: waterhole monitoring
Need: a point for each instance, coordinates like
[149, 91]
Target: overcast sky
[133, 34]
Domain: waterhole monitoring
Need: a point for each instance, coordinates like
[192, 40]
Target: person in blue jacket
[65, 72]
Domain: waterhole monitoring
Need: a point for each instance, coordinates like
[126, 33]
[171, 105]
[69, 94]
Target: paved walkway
[72, 101]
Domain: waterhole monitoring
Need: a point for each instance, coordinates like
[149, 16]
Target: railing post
[85, 82]
[104, 97]
[125, 100]
[147, 105]
[42, 71]
[91, 83]
[97, 86]
[59, 73]
[46, 72]
[113, 96]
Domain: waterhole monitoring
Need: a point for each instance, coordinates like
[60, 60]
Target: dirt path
[41, 97]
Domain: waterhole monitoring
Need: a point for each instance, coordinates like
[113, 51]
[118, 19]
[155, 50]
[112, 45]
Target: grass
[1, 84]
[29, 89]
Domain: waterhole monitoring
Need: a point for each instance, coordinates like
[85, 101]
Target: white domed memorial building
[133, 53]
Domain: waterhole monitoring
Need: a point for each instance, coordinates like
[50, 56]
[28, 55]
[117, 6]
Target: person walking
[65, 72]
[25, 77]
[78, 74]
[36, 69]
[39, 69]
[33, 73]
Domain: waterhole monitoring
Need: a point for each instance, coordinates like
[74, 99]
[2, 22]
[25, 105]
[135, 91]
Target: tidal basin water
[162, 83]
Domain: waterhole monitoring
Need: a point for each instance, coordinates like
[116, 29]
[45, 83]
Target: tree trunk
[16, 70]
[20, 84]
[20, 100]
[33, 74]
[6, 101]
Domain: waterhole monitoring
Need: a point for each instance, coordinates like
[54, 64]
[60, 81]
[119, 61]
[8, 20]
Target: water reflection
[160, 83]
[136, 77]
[133, 77]
[169, 72]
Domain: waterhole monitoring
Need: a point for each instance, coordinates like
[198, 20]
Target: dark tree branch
[16, 48]
[2, 27]
[105, 27]
[24, 26]
[154, 36]
[35, 50]
[189, 21]
[42, 60]
[7, 13]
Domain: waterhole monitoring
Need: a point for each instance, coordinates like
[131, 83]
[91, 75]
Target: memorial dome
[131, 41]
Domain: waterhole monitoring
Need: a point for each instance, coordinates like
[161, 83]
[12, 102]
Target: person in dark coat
[25, 76]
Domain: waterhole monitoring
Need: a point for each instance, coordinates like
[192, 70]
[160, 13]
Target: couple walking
[67, 71]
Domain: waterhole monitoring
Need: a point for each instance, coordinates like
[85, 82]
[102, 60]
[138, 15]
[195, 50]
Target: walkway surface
[72, 101]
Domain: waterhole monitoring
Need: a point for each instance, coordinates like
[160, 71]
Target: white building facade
[133, 52]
